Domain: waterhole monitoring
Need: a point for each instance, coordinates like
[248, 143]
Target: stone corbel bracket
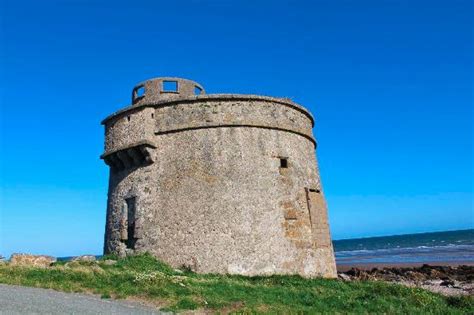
[133, 155]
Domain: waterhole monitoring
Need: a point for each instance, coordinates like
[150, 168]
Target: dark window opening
[197, 90]
[131, 211]
[283, 163]
[314, 190]
[128, 118]
[152, 115]
[170, 86]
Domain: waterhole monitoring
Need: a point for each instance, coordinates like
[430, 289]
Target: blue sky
[389, 82]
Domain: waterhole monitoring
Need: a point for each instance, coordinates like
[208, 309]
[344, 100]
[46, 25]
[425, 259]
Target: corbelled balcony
[134, 155]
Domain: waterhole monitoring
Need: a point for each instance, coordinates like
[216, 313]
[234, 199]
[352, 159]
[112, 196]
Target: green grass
[146, 278]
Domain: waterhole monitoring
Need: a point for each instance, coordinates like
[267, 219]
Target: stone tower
[220, 183]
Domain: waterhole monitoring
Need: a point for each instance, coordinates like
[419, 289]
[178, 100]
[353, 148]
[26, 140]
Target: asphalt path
[24, 300]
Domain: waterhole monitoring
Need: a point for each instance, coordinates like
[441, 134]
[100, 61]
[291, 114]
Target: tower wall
[218, 183]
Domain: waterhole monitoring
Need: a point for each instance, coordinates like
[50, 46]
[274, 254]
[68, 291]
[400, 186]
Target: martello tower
[220, 183]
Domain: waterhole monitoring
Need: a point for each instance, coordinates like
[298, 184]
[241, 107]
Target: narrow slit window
[128, 118]
[170, 86]
[283, 163]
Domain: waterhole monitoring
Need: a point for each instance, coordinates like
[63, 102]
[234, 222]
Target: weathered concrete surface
[31, 260]
[231, 185]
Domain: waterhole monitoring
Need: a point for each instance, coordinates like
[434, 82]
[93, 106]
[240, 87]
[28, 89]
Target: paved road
[23, 300]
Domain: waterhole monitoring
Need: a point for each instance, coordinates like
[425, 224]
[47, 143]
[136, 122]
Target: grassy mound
[146, 278]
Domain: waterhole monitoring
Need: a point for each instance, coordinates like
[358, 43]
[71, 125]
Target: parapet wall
[208, 111]
[166, 88]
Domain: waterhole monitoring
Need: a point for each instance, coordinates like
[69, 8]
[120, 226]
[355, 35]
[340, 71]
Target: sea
[436, 247]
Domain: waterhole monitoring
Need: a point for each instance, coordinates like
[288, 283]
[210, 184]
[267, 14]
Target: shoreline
[371, 265]
[447, 278]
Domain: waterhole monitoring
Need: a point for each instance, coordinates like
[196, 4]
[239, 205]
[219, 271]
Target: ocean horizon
[432, 247]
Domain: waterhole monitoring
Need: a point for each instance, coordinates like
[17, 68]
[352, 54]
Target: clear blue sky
[389, 82]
